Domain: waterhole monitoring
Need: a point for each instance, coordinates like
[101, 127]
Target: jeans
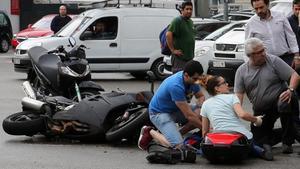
[166, 124]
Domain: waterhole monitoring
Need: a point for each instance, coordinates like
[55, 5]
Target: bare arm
[294, 80]
[205, 126]
[240, 96]
[170, 42]
[192, 117]
[243, 114]
[200, 98]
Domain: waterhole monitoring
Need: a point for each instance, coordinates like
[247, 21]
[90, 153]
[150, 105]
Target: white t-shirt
[219, 110]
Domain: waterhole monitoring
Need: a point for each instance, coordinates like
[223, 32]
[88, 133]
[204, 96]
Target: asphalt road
[21, 152]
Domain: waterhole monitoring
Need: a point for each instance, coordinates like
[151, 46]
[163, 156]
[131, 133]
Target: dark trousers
[265, 134]
[296, 120]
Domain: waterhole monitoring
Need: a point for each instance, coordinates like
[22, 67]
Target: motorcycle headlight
[202, 51]
[240, 48]
[67, 71]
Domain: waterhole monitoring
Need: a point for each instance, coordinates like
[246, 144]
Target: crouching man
[170, 105]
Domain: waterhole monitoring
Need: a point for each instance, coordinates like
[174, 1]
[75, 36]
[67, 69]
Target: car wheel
[4, 45]
[139, 75]
[158, 69]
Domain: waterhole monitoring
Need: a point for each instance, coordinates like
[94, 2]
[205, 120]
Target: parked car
[133, 45]
[234, 16]
[228, 54]
[38, 29]
[5, 32]
[204, 49]
[204, 26]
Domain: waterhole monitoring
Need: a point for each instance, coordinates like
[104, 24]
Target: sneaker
[145, 137]
[267, 154]
[287, 149]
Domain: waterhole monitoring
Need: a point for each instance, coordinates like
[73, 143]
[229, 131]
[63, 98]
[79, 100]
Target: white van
[132, 45]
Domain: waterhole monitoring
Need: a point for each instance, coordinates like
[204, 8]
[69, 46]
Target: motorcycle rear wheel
[124, 129]
[24, 123]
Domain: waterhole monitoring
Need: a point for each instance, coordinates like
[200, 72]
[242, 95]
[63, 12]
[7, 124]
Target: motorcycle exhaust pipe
[27, 88]
[32, 103]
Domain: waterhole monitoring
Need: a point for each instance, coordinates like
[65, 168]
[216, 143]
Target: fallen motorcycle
[108, 116]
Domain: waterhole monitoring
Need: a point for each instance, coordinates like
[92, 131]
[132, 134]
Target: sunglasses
[222, 83]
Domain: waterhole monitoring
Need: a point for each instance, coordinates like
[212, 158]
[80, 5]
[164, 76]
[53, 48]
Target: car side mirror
[72, 41]
[82, 37]
[86, 35]
[29, 26]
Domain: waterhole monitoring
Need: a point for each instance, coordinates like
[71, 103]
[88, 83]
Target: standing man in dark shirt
[60, 20]
[294, 22]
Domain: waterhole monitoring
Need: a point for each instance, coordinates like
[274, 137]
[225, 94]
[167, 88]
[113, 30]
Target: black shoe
[287, 149]
[267, 154]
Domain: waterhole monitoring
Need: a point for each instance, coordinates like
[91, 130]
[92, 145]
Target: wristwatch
[291, 89]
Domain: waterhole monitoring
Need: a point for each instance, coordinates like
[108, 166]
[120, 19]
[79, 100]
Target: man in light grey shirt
[274, 30]
[263, 78]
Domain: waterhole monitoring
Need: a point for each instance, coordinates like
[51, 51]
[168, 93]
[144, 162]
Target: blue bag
[163, 42]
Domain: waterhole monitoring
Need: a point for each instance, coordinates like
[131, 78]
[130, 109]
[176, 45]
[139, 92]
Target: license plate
[218, 64]
[16, 61]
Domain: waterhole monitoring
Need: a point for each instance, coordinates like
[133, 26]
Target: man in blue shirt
[170, 105]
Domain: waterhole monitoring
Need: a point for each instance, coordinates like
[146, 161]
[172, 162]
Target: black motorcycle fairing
[47, 65]
[77, 65]
[59, 99]
[90, 85]
[94, 110]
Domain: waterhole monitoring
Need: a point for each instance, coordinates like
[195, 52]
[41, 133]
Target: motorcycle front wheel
[24, 123]
[126, 128]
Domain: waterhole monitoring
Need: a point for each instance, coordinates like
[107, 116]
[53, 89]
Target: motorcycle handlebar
[77, 51]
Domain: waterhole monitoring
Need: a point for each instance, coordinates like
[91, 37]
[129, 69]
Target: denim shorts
[166, 124]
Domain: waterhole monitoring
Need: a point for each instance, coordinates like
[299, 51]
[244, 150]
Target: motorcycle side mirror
[72, 41]
[151, 77]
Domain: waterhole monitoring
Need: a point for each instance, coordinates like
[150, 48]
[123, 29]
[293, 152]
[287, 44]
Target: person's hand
[296, 62]
[286, 96]
[177, 52]
[258, 121]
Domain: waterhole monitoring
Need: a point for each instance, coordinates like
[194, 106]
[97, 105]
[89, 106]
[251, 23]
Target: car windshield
[219, 32]
[43, 23]
[73, 26]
